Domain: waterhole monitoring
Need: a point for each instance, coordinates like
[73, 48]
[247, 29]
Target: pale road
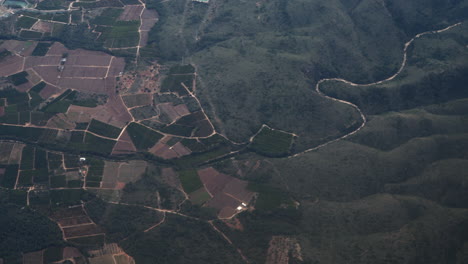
[363, 117]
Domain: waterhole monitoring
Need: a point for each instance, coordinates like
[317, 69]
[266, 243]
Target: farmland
[221, 132]
[272, 142]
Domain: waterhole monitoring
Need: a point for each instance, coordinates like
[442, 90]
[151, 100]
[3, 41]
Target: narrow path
[229, 241]
[137, 55]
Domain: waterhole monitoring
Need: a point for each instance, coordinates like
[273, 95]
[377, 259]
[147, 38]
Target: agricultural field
[233, 132]
[272, 142]
[114, 26]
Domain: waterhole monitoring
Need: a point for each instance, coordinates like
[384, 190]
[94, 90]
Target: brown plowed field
[42, 61]
[181, 109]
[33, 77]
[228, 192]
[132, 171]
[238, 189]
[86, 72]
[169, 110]
[48, 91]
[68, 212]
[83, 230]
[110, 175]
[143, 38]
[149, 14]
[226, 212]
[20, 47]
[213, 180]
[24, 87]
[71, 252]
[74, 221]
[33, 257]
[204, 129]
[170, 177]
[117, 66]
[48, 73]
[162, 150]
[181, 149]
[88, 60]
[133, 100]
[57, 49]
[123, 147]
[131, 12]
[43, 26]
[84, 85]
[11, 65]
[221, 201]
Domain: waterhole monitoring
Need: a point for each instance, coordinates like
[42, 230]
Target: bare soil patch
[170, 177]
[123, 148]
[131, 12]
[57, 49]
[82, 230]
[181, 150]
[117, 67]
[162, 150]
[84, 72]
[48, 91]
[11, 65]
[32, 77]
[33, 257]
[71, 252]
[132, 170]
[110, 175]
[141, 99]
[43, 26]
[74, 221]
[16, 152]
[282, 248]
[228, 192]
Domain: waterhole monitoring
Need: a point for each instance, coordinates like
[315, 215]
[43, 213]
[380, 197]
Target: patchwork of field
[208, 187]
[75, 223]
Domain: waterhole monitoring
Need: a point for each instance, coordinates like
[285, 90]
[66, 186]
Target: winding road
[363, 117]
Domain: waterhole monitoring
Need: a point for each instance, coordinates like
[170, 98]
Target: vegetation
[108, 16]
[18, 78]
[121, 221]
[38, 87]
[25, 22]
[24, 230]
[143, 137]
[272, 142]
[190, 180]
[29, 34]
[269, 198]
[8, 179]
[51, 4]
[197, 242]
[41, 49]
[121, 34]
[103, 129]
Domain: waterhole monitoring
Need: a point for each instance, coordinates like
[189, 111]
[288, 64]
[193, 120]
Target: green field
[190, 180]
[18, 78]
[41, 49]
[107, 17]
[272, 142]
[121, 34]
[200, 196]
[103, 129]
[143, 137]
[25, 22]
